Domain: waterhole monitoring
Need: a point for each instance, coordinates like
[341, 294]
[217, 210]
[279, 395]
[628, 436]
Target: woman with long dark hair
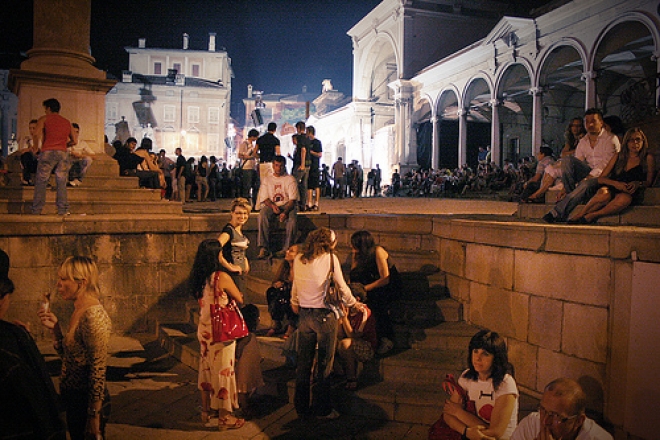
[489, 389]
[370, 267]
[217, 379]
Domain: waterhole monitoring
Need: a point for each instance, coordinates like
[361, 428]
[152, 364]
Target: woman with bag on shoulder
[235, 244]
[278, 296]
[484, 402]
[370, 266]
[210, 285]
[317, 324]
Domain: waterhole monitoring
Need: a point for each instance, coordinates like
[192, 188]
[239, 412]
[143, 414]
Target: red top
[56, 133]
[366, 324]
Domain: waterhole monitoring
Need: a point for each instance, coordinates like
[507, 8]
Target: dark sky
[278, 46]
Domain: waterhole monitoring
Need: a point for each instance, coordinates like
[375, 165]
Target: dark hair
[272, 126]
[300, 125]
[253, 133]
[33, 121]
[616, 125]
[117, 144]
[495, 345]
[146, 144]
[4, 264]
[594, 111]
[547, 151]
[571, 390]
[365, 245]
[52, 104]
[75, 125]
[6, 287]
[206, 262]
[568, 134]
[622, 159]
[311, 129]
[251, 316]
[130, 140]
[280, 159]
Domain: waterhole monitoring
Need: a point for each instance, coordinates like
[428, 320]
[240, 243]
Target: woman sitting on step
[624, 178]
[484, 403]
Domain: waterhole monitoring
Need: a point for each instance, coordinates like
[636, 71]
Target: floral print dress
[217, 360]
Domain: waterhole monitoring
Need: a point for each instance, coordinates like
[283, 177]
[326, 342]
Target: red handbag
[227, 323]
[440, 430]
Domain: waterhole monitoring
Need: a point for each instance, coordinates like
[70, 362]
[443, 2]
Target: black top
[302, 142]
[180, 164]
[266, 145]
[317, 148]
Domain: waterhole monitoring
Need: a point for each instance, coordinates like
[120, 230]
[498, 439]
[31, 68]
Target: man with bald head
[560, 416]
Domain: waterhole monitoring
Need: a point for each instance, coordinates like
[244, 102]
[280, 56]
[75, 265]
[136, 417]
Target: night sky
[278, 46]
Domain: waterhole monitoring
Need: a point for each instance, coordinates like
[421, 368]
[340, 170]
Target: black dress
[635, 174]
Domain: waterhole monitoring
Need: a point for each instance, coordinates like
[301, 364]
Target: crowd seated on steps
[140, 163]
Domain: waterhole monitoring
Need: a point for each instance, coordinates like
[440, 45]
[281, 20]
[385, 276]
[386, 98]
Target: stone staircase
[647, 214]
[103, 192]
[406, 384]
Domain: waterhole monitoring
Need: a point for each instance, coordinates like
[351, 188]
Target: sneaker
[65, 213]
[332, 415]
[263, 254]
[385, 346]
[549, 218]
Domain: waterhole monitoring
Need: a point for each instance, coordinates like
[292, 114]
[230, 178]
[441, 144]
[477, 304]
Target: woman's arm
[383, 270]
[501, 415]
[227, 284]
[604, 179]
[223, 239]
[346, 295]
[650, 170]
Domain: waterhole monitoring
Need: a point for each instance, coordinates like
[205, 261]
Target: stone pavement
[155, 396]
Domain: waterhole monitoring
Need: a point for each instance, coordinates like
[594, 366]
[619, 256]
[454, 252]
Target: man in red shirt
[55, 134]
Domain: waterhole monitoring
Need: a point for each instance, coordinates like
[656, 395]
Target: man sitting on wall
[278, 197]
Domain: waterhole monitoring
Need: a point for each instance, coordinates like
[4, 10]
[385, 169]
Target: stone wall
[559, 294]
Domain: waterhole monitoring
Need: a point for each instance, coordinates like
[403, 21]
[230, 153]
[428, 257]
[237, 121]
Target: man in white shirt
[79, 154]
[560, 416]
[278, 197]
[580, 172]
[247, 153]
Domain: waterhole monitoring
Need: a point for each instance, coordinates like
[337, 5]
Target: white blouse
[308, 279]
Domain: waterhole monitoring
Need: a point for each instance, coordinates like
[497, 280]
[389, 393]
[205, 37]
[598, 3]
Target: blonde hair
[79, 268]
[241, 202]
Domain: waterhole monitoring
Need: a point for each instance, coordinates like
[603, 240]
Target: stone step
[26, 193]
[423, 366]
[97, 207]
[633, 216]
[447, 336]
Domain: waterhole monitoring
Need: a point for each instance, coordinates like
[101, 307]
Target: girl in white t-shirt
[492, 395]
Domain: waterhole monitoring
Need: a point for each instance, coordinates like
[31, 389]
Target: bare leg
[546, 183]
[600, 199]
[206, 399]
[618, 204]
[350, 361]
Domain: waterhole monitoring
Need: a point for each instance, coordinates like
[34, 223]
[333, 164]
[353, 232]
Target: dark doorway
[478, 136]
[448, 144]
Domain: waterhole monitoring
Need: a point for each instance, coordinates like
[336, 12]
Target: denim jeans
[49, 161]
[266, 214]
[573, 171]
[315, 326]
[584, 191]
[301, 177]
[247, 183]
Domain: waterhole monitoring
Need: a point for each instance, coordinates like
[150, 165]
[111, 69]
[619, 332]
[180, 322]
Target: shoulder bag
[331, 296]
[227, 322]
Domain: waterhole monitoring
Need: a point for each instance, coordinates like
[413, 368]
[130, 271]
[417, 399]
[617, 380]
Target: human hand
[452, 408]
[282, 217]
[278, 284]
[475, 433]
[631, 187]
[561, 195]
[237, 269]
[48, 319]
[544, 433]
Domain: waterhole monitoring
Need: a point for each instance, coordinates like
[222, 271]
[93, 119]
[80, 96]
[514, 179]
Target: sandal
[208, 415]
[351, 384]
[224, 423]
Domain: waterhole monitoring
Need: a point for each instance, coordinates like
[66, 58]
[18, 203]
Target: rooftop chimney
[212, 42]
[185, 41]
[142, 42]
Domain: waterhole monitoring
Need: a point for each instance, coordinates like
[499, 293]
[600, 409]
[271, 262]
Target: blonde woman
[83, 348]
[234, 244]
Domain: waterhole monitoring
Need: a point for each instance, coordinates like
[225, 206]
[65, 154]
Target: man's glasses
[557, 419]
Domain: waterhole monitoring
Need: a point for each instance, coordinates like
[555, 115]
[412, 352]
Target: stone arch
[560, 78]
[515, 112]
[422, 119]
[379, 65]
[478, 116]
[624, 60]
[447, 109]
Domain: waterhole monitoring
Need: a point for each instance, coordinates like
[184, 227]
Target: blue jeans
[573, 171]
[49, 161]
[266, 214]
[315, 326]
[301, 177]
[581, 194]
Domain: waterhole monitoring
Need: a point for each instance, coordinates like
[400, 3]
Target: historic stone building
[176, 97]
[419, 100]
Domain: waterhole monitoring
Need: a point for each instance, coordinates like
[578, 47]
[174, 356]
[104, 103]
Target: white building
[514, 84]
[176, 97]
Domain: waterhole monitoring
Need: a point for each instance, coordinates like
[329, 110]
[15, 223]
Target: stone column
[590, 89]
[537, 119]
[462, 136]
[495, 135]
[435, 141]
[60, 66]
